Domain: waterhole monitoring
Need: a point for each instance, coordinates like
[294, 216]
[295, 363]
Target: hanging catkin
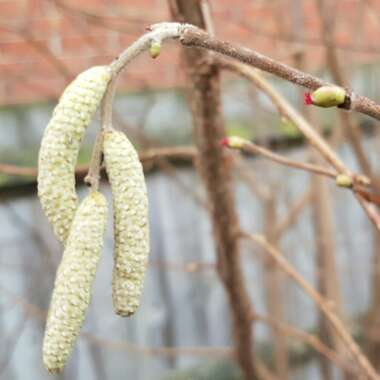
[60, 147]
[75, 275]
[130, 205]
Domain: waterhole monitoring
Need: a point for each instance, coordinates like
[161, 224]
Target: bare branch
[252, 148]
[147, 157]
[309, 339]
[323, 304]
[198, 38]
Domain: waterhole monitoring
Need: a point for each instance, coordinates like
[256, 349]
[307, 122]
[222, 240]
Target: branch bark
[215, 171]
[323, 304]
[197, 38]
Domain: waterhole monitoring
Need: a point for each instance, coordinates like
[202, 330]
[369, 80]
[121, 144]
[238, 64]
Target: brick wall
[44, 43]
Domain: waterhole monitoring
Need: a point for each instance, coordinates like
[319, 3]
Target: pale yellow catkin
[61, 143]
[131, 230]
[75, 275]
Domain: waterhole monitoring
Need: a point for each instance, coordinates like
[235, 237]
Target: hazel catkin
[75, 275]
[131, 230]
[60, 146]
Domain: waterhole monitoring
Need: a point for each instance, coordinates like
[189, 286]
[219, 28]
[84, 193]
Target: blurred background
[182, 329]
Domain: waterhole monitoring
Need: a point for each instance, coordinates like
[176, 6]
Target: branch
[147, 157]
[323, 304]
[351, 128]
[245, 173]
[198, 38]
[287, 110]
[36, 312]
[252, 148]
[156, 33]
[308, 131]
[293, 213]
[93, 176]
[306, 337]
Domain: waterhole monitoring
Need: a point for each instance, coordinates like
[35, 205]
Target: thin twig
[347, 122]
[287, 110]
[36, 312]
[293, 213]
[308, 131]
[198, 38]
[323, 304]
[306, 337]
[10, 344]
[158, 32]
[93, 176]
[206, 12]
[246, 174]
[147, 157]
[252, 148]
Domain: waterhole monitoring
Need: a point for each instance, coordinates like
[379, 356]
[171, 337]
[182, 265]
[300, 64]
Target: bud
[343, 180]
[155, 49]
[234, 142]
[131, 230]
[75, 275]
[326, 96]
[60, 147]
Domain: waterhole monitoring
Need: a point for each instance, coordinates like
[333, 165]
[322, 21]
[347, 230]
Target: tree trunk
[215, 172]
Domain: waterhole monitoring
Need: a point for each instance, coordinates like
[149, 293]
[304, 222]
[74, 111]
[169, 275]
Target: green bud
[155, 49]
[233, 142]
[343, 180]
[326, 96]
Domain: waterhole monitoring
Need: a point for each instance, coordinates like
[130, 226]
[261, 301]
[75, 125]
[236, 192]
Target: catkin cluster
[130, 205]
[75, 275]
[81, 229]
[60, 147]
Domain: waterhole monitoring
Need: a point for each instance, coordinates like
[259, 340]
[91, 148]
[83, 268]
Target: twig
[198, 38]
[10, 344]
[293, 213]
[188, 267]
[323, 304]
[246, 174]
[274, 285]
[370, 210]
[158, 32]
[306, 337]
[287, 110]
[337, 71]
[252, 148]
[147, 157]
[312, 136]
[36, 312]
[93, 176]
[168, 168]
[206, 12]
[22, 171]
[302, 40]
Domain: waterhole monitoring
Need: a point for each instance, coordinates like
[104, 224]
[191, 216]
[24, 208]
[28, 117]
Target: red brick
[28, 75]
[12, 10]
